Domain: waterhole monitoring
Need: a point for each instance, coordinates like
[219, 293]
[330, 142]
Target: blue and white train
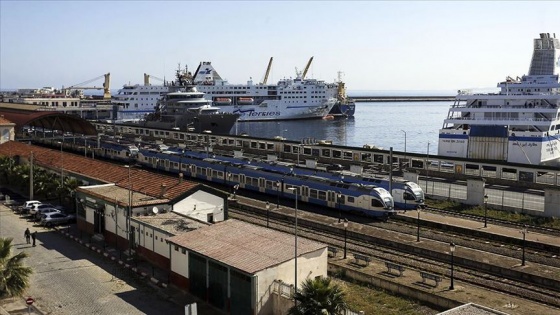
[406, 194]
[368, 200]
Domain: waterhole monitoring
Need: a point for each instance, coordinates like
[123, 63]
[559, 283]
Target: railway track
[499, 284]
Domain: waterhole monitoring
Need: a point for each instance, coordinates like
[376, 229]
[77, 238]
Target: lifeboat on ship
[222, 101]
[245, 101]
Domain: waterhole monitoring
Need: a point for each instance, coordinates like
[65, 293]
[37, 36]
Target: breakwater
[402, 98]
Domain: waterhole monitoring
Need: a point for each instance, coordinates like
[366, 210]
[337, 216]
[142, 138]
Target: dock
[402, 98]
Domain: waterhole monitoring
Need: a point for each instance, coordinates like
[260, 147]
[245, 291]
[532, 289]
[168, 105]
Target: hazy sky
[379, 45]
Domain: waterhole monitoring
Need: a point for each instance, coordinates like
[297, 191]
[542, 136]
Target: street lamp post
[338, 197]
[295, 190]
[418, 229]
[267, 212]
[452, 250]
[485, 210]
[524, 232]
[427, 165]
[345, 235]
[404, 146]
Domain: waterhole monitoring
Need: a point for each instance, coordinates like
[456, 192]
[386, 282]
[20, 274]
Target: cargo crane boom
[267, 71]
[105, 87]
[306, 68]
[147, 79]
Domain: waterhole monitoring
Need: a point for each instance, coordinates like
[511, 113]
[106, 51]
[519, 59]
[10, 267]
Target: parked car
[36, 207]
[43, 211]
[28, 205]
[55, 218]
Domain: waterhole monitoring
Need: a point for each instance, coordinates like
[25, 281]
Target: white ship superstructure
[297, 98]
[134, 102]
[520, 124]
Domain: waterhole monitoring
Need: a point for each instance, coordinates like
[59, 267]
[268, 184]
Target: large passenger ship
[520, 124]
[135, 101]
[298, 98]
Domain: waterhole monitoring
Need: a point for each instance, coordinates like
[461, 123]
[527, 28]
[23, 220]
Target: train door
[304, 193]
[242, 180]
[331, 199]
[166, 165]
[262, 185]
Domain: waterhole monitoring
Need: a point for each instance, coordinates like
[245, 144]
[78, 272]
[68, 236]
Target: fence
[497, 199]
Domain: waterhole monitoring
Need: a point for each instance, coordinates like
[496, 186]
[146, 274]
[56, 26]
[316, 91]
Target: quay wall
[402, 98]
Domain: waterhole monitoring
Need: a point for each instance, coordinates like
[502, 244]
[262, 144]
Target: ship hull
[343, 109]
[215, 123]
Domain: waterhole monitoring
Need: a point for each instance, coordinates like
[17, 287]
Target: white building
[7, 132]
[233, 264]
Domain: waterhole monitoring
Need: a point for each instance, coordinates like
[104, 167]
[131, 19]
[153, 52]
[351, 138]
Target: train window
[326, 153]
[262, 146]
[378, 158]
[285, 148]
[417, 164]
[307, 151]
[350, 199]
[313, 193]
[376, 203]
[322, 195]
[254, 145]
[348, 155]
[366, 157]
[408, 196]
[336, 154]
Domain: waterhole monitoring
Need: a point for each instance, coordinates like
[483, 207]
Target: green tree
[318, 297]
[14, 276]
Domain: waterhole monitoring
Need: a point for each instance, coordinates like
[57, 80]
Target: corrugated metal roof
[244, 246]
[143, 181]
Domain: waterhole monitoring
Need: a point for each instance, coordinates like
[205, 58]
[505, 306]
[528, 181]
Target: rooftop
[171, 222]
[244, 246]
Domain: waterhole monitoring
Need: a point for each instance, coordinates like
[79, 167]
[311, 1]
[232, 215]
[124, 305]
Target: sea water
[382, 124]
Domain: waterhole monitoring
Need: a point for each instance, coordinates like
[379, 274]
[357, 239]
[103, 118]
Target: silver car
[54, 218]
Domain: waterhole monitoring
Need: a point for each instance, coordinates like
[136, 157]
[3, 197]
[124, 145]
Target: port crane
[267, 71]
[302, 75]
[105, 87]
[147, 79]
[307, 68]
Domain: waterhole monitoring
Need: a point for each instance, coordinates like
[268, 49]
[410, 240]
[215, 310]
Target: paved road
[70, 279]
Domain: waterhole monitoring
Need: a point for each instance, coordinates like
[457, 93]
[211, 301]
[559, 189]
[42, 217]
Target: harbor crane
[147, 79]
[307, 68]
[267, 71]
[105, 87]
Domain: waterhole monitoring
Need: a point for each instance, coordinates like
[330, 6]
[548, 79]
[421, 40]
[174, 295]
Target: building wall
[179, 261]
[200, 204]
[7, 133]
[310, 265]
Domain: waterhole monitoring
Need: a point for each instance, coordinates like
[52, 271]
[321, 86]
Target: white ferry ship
[134, 102]
[520, 124]
[298, 98]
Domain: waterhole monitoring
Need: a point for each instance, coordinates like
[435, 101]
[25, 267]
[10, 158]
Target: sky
[377, 45]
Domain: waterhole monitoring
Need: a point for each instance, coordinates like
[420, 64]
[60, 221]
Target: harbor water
[382, 124]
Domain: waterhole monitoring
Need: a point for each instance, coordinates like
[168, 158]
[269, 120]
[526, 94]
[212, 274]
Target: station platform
[410, 283]
[510, 232]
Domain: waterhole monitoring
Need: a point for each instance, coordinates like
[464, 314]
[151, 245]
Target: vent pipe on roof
[163, 190]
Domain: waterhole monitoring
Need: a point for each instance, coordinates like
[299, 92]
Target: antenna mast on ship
[267, 71]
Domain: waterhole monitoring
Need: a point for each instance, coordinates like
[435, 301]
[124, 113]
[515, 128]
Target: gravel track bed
[490, 282]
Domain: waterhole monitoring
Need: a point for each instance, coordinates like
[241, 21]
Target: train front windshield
[417, 191]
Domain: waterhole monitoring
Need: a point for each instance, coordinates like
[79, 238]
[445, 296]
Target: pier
[402, 98]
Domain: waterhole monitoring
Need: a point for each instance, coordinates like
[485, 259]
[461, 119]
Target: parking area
[72, 275]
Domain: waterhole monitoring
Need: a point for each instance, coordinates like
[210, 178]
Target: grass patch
[497, 214]
[372, 300]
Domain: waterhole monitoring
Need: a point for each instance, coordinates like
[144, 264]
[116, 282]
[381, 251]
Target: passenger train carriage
[368, 200]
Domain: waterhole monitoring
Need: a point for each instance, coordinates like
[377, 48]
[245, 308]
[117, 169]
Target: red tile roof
[244, 246]
[4, 121]
[142, 181]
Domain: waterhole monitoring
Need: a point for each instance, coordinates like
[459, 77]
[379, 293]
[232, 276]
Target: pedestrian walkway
[157, 277]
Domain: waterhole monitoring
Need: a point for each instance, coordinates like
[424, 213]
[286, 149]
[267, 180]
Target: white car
[28, 205]
[33, 210]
